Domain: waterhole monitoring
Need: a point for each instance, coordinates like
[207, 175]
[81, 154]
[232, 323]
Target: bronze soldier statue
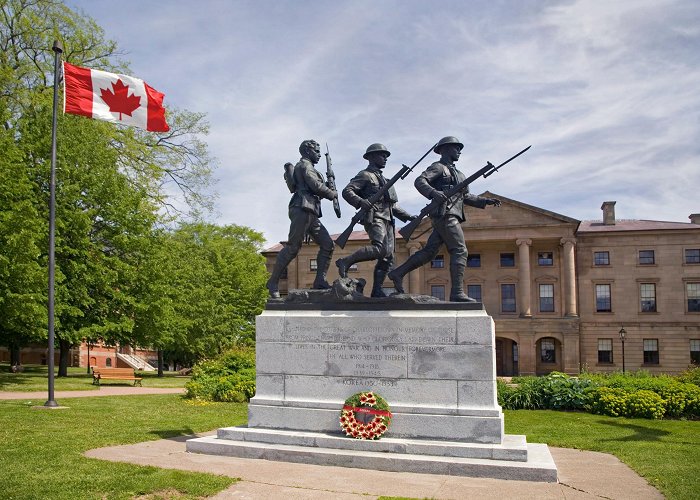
[379, 219]
[447, 221]
[308, 187]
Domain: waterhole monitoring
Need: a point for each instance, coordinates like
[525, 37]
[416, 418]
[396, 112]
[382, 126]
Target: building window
[546, 298]
[605, 351]
[602, 298]
[545, 258]
[695, 351]
[508, 259]
[508, 298]
[601, 258]
[693, 291]
[647, 295]
[547, 352]
[474, 291]
[651, 352]
[646, 257]
[474, 260]
[313, 265]
[692, 256]
[438, 291]
[438, 262]
[108, 362]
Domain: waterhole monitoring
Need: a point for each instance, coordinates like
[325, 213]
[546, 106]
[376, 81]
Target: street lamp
[623, 334]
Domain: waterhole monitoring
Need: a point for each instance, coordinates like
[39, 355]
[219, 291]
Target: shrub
[563, 392]
[228, 378]
[682, 400]
[608, 401]
[690, 376]
[644, 404]
[617, 402]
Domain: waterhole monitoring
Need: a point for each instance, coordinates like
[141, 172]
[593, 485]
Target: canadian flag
[112, 97]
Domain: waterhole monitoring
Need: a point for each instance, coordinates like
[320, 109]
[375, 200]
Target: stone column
[524, 277]
[414, 276]
[569, 272]
[527, 361]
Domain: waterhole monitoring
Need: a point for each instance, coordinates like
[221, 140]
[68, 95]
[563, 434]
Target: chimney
[694, 218]
[608, 208]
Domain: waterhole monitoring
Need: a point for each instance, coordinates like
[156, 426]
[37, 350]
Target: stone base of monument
[433, 364]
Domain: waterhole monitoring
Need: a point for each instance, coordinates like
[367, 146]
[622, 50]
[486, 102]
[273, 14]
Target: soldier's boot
[323, 262]
[283, 260]
[413, 262]
[344, 263]
[377, 290]
[457, 291]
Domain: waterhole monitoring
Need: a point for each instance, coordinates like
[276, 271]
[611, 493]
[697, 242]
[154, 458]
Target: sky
[606, 92]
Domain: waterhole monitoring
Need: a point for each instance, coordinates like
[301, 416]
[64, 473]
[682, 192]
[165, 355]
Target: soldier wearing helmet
[309, 187]
[379, 221]
[447, 222]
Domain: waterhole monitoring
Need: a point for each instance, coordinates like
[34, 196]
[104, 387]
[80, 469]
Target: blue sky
[607, 93]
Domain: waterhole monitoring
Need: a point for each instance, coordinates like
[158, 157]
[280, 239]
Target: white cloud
[606, 92]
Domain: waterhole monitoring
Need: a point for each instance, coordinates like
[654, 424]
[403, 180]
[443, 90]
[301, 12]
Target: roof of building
[597, 226]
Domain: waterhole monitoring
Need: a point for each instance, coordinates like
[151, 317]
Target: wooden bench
[114, 374]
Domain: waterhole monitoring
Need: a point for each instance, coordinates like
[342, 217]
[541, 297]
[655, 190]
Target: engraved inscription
[372, 334]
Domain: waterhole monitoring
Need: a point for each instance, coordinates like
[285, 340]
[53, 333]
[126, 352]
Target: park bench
[114, 374]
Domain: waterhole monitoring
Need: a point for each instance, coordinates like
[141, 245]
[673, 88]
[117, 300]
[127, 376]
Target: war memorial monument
[326, 357]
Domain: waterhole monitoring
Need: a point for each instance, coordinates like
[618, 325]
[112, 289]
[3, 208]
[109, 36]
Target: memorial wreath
[365, 415]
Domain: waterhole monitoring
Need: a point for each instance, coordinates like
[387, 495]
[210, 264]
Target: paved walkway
[582, 475]
[102, 391]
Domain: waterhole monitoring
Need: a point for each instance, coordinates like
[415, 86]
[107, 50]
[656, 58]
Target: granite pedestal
[435, 366]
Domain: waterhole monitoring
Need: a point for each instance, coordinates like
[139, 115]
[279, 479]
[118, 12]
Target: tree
[112, 182]
[202, 289]
[23, 289]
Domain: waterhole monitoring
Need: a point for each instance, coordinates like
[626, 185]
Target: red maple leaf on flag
[120, 101]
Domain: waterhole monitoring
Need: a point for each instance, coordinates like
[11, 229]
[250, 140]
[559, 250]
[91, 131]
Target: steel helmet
[376, 148]
[447, 140]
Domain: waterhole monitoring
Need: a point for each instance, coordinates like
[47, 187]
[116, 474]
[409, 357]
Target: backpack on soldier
[289, 177]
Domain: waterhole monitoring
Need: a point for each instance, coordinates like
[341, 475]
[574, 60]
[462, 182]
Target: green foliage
[690, 376]
[556, 391]
[228, 378]
[637, 395]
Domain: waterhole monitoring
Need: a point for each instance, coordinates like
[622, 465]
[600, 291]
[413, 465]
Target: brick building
[559, 289]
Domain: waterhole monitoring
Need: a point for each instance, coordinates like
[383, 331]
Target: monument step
[513, 447]
[538, 467]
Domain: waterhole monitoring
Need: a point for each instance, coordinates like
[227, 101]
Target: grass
[665, 452]
[41, 450]
[35, 378]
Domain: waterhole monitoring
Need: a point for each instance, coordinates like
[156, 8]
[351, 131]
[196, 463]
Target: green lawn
[35, 378]
[665, 452]
[41, 450]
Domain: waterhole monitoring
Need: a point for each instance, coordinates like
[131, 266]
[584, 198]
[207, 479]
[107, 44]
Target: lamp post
[623, 334]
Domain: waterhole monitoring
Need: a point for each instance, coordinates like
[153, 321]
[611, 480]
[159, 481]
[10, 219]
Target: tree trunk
[15, 354]
[160, 362]
[64, 347]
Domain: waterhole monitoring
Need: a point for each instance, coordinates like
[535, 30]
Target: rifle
[331, 181]
[360, 214]
[435, 204]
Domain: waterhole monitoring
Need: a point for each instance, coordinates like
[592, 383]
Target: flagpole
[57, 49]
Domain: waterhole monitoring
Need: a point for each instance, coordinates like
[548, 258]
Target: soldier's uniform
[378, 223]
[304, 214]
[446, 222]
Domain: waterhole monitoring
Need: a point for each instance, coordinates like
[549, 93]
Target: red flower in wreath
[375, 419]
